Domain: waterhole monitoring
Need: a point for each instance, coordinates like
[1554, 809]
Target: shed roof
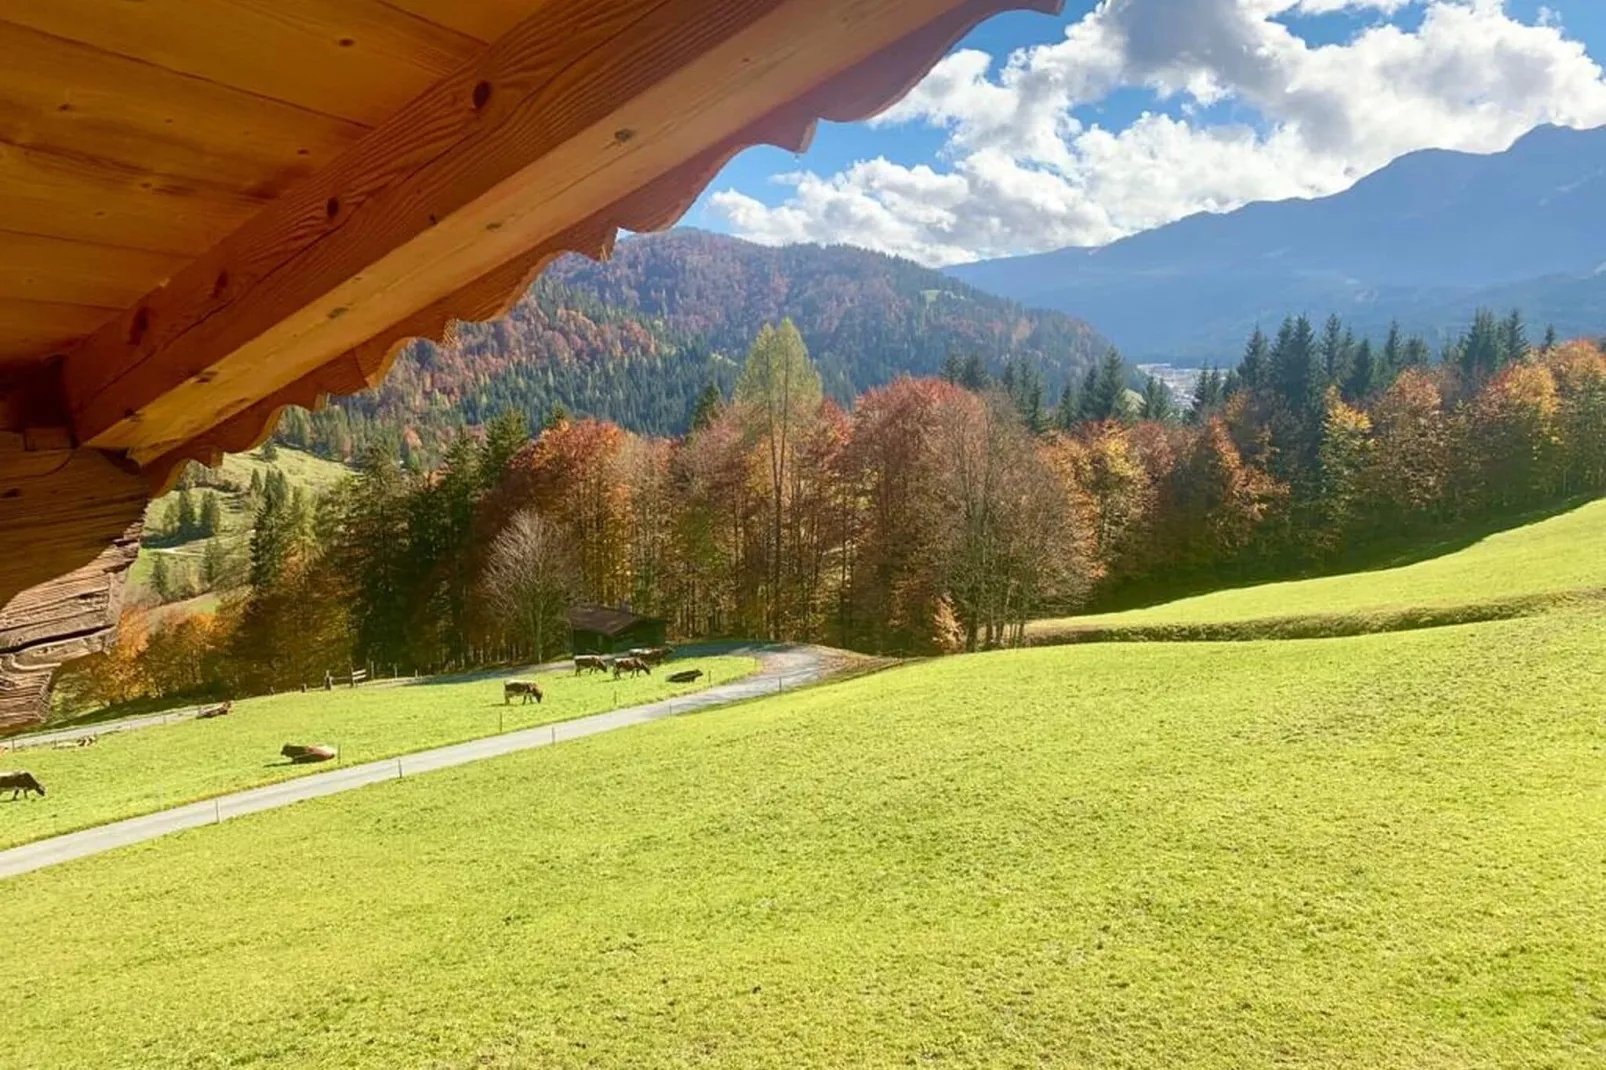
[605, 620]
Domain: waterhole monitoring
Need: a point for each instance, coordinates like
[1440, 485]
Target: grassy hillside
[1380, 851]
[154, 768]
[1508, 574]
[230, 481]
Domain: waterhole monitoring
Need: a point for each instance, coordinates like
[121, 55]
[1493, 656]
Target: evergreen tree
[1416, 354]
[211, 520]
[214, 565]
[188, 519]
[710, 403]
[1482, 349]
[256, 483]
[1156, 400]
[556, 415]
[1550, 338]
[1065, 413]
[1513, 339]
[504, 436]
[1336, 347]
[1255, 369]
[952, 368]
[1393, 355]
[269, 452]
[1295, 374]
[1362, 379]
[1104, 389]
[162, 578]
[973, 376]
[1209, 393]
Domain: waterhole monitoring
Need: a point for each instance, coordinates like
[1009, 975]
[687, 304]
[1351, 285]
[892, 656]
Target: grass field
[1512, 573]
[301, 469]
[137, 772]
[1384, 851]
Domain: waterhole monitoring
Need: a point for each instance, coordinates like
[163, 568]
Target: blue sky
[1141, 143]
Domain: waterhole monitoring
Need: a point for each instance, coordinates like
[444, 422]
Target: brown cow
[653, 655]
[20, 782]
[527, 688]
[589, 663]
[633, 666]
[300, 754]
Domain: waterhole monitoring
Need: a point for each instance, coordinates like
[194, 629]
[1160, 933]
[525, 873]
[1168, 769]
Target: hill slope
[1425, 240]
[637, 338]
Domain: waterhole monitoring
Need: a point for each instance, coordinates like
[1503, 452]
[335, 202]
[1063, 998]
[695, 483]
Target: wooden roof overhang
[212, 209]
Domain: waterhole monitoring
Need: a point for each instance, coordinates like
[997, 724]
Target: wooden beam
[576, 109]
[56, 622]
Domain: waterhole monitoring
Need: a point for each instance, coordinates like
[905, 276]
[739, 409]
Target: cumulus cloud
[1020, 172]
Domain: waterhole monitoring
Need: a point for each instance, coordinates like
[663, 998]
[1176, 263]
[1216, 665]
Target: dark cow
[686, 676]
[528, 689]
[653, 655]
[301, 754]
[589, 663]
[633, 666]
[20, 782]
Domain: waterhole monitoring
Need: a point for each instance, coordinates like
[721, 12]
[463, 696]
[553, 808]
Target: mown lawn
[137, 772]
[1562, 555]
[1384, 851]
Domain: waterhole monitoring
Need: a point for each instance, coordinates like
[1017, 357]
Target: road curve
[779, 670]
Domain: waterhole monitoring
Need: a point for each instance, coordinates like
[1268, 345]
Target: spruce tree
[973, 376]
[214, 564]
[710, 403]
[1393, 354]
[188, 520]
[1065, 413]
[1550, 338]
[1362, 378]
[162, 578]
[1255, 369]
[211, 516]
[952, 368]
[504, 436]
[1513, 338]
[1156, 400]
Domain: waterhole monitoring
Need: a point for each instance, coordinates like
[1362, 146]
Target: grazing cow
[527, 688]
[633, 666]
[20, 782]
[589, 663]
[653, 655]
[300, 754]
[686, 676]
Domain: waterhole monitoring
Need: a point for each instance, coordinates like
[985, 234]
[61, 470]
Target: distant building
[595, 629]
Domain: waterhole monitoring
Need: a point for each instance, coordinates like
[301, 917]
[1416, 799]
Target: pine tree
[952, 368]
[269, 452]
[504, 436]
[1337, 345]
[1550, 339]
[1209, 392]
[214, 565]
[1104, 389]
[557, 415]
[1393, 355]
[1513, 339]
[1482, 349]
[162, 578]
[1295, 373]
[710, 403]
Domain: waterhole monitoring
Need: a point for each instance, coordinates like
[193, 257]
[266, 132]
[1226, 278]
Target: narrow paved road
[779, 670]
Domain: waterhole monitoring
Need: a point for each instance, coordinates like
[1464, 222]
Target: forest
[635, 339]
[938, 514]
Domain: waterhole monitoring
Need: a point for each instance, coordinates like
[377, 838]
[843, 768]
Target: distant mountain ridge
[1425, 240]
[635, 339]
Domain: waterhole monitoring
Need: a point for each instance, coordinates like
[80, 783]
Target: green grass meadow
[149, 769]
[1381, 851]
[1511, 573]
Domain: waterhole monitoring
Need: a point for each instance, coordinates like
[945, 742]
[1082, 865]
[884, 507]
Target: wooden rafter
[582, 119]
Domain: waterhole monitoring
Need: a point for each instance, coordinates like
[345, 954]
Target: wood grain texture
[62, 97]
[358, 60]
[30, 330]
[632, 93]
[58, 621]
[34, 267]
[90, 200]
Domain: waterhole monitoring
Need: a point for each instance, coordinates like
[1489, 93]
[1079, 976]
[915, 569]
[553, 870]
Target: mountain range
[637, 338]
[1425, 241]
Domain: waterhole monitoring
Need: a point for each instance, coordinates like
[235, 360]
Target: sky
[1039, 132]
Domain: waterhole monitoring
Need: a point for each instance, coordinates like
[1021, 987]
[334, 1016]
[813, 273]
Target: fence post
[398, 768]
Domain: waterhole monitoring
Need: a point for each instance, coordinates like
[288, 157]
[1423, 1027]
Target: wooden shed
[212, 209]
[597, 629]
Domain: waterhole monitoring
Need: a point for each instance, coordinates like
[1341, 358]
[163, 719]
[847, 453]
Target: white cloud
[1020, 173]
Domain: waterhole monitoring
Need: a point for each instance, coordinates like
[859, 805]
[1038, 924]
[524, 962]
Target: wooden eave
[213, 209]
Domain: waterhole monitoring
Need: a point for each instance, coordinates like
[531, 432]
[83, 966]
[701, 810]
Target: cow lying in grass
[633, 666]
[527, 688]
[220, 710]
[589, 663]
[300, 754]
[686, 676]
[20, 782]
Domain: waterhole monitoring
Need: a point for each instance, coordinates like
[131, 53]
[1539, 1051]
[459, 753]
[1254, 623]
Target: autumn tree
[530, 580]
[778, 394]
